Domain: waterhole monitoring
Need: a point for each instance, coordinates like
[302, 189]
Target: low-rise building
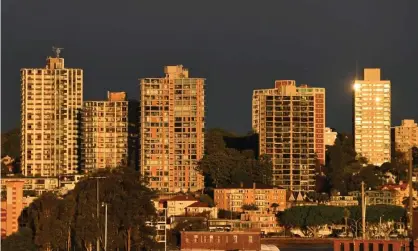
[199, 208]
[343, 201]
[390, 194]
[37, 184]
[265, 221]
[177, 205]
[376, 197]
[244, 240]
[11, 207]
[265, 197]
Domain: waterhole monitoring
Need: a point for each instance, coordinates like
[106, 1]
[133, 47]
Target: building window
[211, 239]
[235, 239]
[250, 239]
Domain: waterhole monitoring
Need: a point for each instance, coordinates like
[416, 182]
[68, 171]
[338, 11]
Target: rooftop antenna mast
[57, 51]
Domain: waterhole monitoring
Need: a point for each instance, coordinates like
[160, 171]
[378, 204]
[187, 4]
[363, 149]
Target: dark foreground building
[202, 240]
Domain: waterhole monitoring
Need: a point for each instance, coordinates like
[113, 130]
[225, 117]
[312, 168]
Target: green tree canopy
[311, 218]
[60, 223]
[19, 241]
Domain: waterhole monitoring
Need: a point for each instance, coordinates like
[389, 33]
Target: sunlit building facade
[290, 122]
[109, 137]
[51, 102]
[405, 136]
[330, 136]
[172, 123]
[372, 117]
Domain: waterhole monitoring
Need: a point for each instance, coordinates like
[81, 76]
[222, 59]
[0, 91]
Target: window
[342, 246]
[235, 239]
[250, 239]
[211, 239]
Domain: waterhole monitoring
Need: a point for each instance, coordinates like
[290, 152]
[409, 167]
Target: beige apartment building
[405, 136]
[172, 126]
[372, 118]
[265, 197]
[109, 133]
[51, 101]
[290, 122]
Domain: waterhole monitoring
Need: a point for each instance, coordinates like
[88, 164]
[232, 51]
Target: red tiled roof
[199, 204]
[183, 198]
[403, 186]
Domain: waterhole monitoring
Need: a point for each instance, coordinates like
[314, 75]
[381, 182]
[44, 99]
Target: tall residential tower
[290, 122]
[372, 104]
[51, 101]
[172, 123]
[109, 134]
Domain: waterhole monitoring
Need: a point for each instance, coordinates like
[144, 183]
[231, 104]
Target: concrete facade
[290, 122]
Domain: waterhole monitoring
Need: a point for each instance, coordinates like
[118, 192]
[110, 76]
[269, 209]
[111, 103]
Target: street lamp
[105, 243]
[98, 205]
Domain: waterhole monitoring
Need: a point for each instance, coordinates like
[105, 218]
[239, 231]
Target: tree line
[71, 222]
[310, 219]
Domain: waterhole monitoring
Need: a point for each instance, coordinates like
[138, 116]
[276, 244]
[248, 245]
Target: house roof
[199, 204]
[250, 185]
[183, 198]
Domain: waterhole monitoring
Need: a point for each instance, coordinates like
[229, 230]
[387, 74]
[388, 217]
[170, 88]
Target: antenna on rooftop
[57, 51]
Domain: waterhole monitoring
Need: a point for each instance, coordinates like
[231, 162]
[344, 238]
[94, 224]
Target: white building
[372, 115]
[52, 98]
[176, 206]
[330, 136]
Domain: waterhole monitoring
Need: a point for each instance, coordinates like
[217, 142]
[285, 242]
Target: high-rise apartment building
[290, 122]
[172, 126]
[51, 101]
[109, 137]
[372, 104]
[405, 136]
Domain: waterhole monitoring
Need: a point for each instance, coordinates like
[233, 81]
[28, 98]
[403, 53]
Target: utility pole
[105, 242]
[165, 229]
[411, 197]
[98, 208]
[98, 211]
[363, 211]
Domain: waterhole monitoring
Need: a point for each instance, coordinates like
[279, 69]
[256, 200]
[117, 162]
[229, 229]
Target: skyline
[233, 50]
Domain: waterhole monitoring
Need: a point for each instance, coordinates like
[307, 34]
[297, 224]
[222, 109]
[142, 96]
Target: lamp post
[105, 243]
[98, 206]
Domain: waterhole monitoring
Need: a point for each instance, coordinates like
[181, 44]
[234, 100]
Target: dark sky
[237, 45]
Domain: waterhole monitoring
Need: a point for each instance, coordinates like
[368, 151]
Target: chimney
[253, 185]
[242, 184]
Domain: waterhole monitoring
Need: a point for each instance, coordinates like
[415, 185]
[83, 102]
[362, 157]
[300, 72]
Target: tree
[311, 218]
[19, 241]
[250, 207]
[126, 221]
[10, 143]
[274, 206]
[226, 214]
[207, 199]
[43, 220]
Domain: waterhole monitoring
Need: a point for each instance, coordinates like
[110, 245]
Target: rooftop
[183, 198]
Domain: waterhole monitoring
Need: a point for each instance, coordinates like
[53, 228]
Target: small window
[211, 239]
[250, 239]
[235, 239]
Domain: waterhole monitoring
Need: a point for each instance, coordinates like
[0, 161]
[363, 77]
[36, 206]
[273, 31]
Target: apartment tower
[405, 136]
[51, 101]
[172, 126]
[372, 104]
[109, 133]
[290, 122]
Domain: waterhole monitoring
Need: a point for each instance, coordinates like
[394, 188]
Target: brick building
[250, 240]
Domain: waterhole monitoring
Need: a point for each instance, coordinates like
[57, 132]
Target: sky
[238, 46]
